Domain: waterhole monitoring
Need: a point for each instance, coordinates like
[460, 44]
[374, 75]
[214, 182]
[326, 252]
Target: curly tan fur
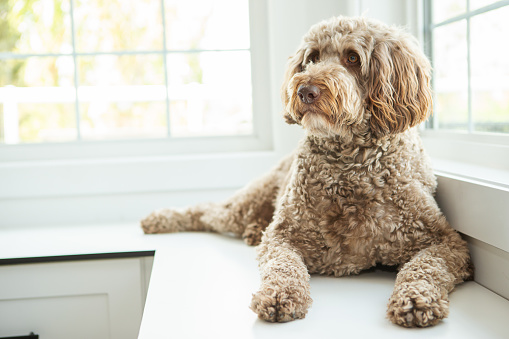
[357, 192]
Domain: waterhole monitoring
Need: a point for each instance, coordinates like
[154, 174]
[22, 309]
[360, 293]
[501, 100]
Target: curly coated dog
[359, 189]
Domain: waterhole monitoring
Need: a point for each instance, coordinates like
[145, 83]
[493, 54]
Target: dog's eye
[314, 57]
[352, 59]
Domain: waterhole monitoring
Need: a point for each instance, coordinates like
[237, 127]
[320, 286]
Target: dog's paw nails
[417, 304]
[280, 306]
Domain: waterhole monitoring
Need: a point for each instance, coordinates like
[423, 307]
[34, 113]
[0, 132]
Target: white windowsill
[485, 151]
[482, 175]
[60, 178]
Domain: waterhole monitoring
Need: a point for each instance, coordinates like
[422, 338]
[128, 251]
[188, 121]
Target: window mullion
[469, 74]
[432, 123]
[76, 73]
[165, 65]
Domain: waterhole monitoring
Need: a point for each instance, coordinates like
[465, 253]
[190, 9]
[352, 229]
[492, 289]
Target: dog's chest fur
[351, 199]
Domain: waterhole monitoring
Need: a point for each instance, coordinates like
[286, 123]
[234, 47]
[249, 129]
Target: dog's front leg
[420, 296]
[284, 294]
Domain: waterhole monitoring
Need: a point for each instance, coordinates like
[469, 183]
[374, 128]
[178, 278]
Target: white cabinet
[99, 299]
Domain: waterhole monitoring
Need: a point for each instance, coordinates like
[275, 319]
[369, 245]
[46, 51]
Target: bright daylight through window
[471, 67]
[118, 69]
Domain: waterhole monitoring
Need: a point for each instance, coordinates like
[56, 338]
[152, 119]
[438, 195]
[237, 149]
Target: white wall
[126, 189]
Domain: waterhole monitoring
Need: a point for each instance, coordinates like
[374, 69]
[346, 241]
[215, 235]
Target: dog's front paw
[277, 304]
[417, 304]
[165, 221]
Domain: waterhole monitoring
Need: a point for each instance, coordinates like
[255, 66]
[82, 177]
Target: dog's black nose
[308, 93]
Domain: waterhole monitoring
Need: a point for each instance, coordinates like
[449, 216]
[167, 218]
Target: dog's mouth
[311, 112]
[314, 119]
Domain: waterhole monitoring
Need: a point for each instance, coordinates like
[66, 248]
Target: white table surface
[201, 287]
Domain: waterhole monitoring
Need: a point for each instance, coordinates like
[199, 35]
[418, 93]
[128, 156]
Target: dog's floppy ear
[399, 91]
[293, 66]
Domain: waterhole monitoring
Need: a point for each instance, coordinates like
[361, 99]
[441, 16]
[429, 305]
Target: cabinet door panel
[84, 316]
[97, 298]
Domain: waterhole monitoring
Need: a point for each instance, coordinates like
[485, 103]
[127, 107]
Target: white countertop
[201, 287]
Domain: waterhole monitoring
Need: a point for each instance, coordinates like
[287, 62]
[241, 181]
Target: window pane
[210, 93]
[116, 25]
[37, 71]
[38, 99]
[476, 4]
[47, 122]
[121, 70]
[35, 26]
[446, 9]
[122, 96]
[207, 24]
[103, 119]
[490, 71]
[451, 76]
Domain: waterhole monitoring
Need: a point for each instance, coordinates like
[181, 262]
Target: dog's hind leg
[246, 214]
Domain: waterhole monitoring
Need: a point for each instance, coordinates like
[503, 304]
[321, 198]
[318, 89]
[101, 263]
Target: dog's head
[357, 73]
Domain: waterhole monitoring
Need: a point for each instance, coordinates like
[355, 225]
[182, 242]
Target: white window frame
[260, 139]
[482, 153]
